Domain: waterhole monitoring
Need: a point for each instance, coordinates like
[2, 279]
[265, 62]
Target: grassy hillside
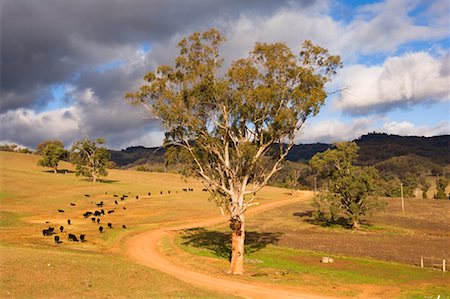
[30, 196]
[285, 248]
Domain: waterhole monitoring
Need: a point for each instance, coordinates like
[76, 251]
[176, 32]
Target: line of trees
[89, 157]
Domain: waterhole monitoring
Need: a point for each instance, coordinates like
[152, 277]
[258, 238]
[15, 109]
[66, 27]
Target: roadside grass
[42, 273]
[428, 292]
[293, 267]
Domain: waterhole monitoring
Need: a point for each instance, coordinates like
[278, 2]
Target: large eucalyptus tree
[238, 127]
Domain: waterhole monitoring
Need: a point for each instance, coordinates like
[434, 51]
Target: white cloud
[334, 130]
[28, 127]
[384, 26]
[406, 128]
[410, 79]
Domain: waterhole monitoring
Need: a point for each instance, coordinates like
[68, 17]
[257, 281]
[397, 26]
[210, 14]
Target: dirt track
[143, 248]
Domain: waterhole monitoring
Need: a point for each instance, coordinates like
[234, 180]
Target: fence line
[442, 263]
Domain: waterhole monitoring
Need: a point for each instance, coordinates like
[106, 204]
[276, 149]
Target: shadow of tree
[308, 216]
[60, 171]
[100, 181]
[220, 244]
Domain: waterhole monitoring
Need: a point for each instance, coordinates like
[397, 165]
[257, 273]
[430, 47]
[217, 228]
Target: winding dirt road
[143, 248]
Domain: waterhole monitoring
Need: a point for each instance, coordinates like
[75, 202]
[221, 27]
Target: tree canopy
[350, 187]
[236, 129]
[52, 153]
[90, 158]
[41, 146]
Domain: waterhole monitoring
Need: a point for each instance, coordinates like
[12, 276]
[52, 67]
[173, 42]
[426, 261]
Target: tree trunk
[237, 225]
[355, 224]
[55, 170]
[94, 178]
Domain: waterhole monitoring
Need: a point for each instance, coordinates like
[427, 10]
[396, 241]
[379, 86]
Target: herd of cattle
[96, 216]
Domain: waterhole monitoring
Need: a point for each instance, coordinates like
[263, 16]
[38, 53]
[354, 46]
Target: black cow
[115, 195]
[47, 232]
[116, 202]
[149, 194]
[97, 213]
[87, 214]
[109, 224]
[93, 219]
[111, 211]
[73, 238]
[137, 196]
[100, 229]
[123, 226]
[160, 192]
[168, 191]
[56, 238]
[124, 208]
[205, 190]
[68, 221]
[61, 211]
[72, 204]
[98, 220]
[184, 189]
[82, 238]
[87, 195]
[61, 228]
[100, 204]
[102, 211]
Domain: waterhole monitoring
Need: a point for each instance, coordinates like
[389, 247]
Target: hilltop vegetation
[374, 148]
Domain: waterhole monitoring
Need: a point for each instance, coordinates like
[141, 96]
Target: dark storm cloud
[50, 41]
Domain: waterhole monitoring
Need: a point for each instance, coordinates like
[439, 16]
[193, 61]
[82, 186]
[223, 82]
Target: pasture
[284, 246]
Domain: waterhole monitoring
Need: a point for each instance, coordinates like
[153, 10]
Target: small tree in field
[41, 146]
[52, 154]
[441, 184]
[236, 129]
[350, 187]
[90, 159]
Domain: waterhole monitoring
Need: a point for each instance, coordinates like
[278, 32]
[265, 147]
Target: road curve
[143, 248]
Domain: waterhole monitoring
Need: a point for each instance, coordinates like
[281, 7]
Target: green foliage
[233, 129]
[90, 158]
[425, 186]
[226, 127]
[141, 168]
[14, 148]
[441, 184]
[8, 147]
[52, 154]
[350, 188]
[41, 146]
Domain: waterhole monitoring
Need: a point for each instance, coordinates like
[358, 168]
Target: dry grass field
[284, 245]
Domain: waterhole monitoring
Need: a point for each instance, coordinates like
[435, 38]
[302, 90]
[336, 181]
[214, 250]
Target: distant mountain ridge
[374, 148]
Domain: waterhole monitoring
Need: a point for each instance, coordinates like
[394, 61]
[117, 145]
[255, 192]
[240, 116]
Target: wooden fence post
[443, 266]
[421, 262]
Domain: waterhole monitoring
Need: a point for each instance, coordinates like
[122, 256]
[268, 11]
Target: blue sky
[65, 76]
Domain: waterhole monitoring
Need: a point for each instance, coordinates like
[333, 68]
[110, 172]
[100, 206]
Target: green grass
[8, 219]
[429, 292]
[287, 266]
